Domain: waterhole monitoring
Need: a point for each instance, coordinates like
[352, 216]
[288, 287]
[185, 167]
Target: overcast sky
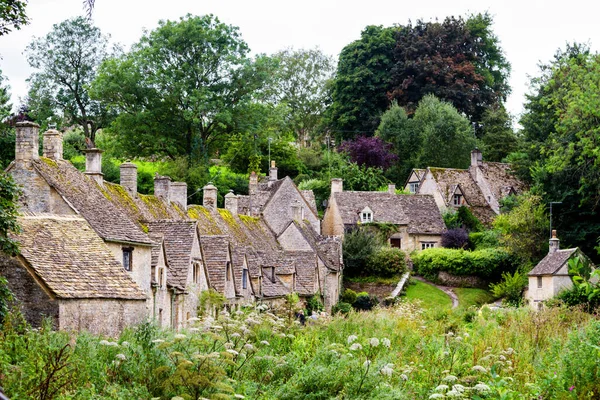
[529, 31]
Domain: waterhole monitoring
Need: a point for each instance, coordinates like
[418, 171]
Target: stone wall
[447, 279]
[141, 271]
[38, 196]
[292, 239]
[101, 316]
[34, 302]
[278, 212]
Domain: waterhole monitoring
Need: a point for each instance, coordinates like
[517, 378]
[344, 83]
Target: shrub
[365, 302]
[462, 218]
[313, 303]
[485, 263]
[510, 288]
[457, 238]
[349, 296]
[386, 262]
[483, 240]
[341, 308]
[358, 247]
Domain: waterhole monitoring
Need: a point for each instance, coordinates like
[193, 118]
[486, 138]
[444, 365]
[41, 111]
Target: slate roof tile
[552, 262]
[215, 253]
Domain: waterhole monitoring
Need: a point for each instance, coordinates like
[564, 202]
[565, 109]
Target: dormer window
[366, 215]
[413, 187]
[457, 199]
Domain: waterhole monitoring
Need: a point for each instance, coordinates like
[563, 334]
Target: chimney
[53, 144]
[554, 243]
[93, 165]
[297, 211]
[253, 184]
[231, 202]
[129, 177]
[476, 157]
[392, 188]
[209, 199]
[27, 141]
[273, 172]
[337, 185]
[162, 187]
[178, 194]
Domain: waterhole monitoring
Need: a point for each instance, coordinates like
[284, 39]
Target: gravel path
[446, 289]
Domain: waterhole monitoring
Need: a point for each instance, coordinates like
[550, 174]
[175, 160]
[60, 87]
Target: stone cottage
[416, 218]
[481, 187]
[551, 275]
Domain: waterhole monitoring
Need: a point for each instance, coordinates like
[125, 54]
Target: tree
[7, 135]
[447, 135]
[456, 60]
[497, 136]
[302, 83]
[369, 152]
[183, 88]
[67, 59]
[361, 83]
[12, 16]
[9, 194]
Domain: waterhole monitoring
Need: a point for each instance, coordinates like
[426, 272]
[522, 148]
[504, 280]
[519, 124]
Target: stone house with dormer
[481, 187]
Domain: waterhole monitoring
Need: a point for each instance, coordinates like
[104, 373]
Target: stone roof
[309, 196]
[214, 252]
[500, 179]
[553, 262]
[306, 273]
[178, 242]
[72, 260]
[418, 212]
[90, 200]
[272, 288]
[328, 249]
[157, 247]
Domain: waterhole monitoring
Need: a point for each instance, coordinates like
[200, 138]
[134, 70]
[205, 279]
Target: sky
[529, 31]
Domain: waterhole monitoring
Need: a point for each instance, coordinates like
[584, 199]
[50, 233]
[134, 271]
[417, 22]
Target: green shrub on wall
[485, 263]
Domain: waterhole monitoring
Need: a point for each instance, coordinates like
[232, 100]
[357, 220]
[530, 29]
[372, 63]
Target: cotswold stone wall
[101, 316]
[447, 279]
[34, 302]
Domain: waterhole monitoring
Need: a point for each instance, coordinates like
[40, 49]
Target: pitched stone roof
[329, 249]
[309, 196]
[553, 262]
[72, 260]
[178, 242]
[419, 212]
[306, 273]
[272, 288]
[263, 195]
[90, 200]
[500, 178]
[158, 239]
[214, 252]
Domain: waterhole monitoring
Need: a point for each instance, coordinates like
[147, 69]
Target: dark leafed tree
[12, 15]
[66, 61]
[369, 152]
[456, 60]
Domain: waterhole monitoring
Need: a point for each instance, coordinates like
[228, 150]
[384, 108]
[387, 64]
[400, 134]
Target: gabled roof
[72, 260]
[272, 288]
[306, 273]
[309, 196]
[329, 249]
[553, 262]
[178, 241]
[423, 214]
[215, 251]
[501, 179]
[418, 172]
[90, 200]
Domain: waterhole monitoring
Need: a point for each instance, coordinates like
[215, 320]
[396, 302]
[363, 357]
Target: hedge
[485, 263]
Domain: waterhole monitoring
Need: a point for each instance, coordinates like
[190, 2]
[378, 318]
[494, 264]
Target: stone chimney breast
[27, 141]
[273, 172]
[128, 179]
[476, 157]
[554, 243]
[253, 183]
[162, 187]
[53, 145]
[391, 188]
[209, 198]
[231, 202]
[93, 165]
[337, 185]
[297, 211]
[178, 194]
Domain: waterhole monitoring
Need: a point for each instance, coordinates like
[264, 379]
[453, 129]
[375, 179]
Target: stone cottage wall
[38, 196]
[278, 212]
[141, 271]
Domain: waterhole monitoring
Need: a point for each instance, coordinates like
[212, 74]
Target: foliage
[457, 238]
[313, 304]
[360, 178]
[472, 297]
[456, 60]
[510, 289]
[361, 83]
[12, 16]
[462, 218]
[369, 152]
[386, 262]
[6, 298]
[7, 134]
[341, 308]
[348, 296]
[67, 59]
[183, 88]
[358, 247]
[364, 302]
[9, 194]
[586, 284]
[497, 136]
[485, 263]
[209, 301]
[483, 240]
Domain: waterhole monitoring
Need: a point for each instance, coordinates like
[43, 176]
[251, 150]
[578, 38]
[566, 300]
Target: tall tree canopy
[12, 15]
[361, 83]
[7, 135]
[456, 60]
[183, 88]
[67, 59]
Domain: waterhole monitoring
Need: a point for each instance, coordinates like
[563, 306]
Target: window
[196, 272]
[228, 269]
[244, 279]
[128, 258]
[161, 277]
[539, 282]
[427, 245]
[396, 242]
[413, 187]
[272, 274]
[457, 200]
[366, 215]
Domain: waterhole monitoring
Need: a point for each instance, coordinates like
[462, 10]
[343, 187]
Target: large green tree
[7, 135]
[361, 83]
[66, 60]
[183, 87]
[12, 15]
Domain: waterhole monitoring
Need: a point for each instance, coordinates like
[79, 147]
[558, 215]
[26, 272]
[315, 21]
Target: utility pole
[552, 202]
[270, 140]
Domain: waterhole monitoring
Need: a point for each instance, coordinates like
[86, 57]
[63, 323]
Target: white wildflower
[479, 368]
[125, 344]
[450, 378]
[458, 339]
[177, 398]
[458, 387]
[446, 353]
[466, 335]
[217, 327]
[454, 393]
[121, 357]
[248, 347]
[290, 336]
[386, 371]
[228, 345]
[239, 396]
[113, 344]
[450, 333]
[232, 351]
[103, 343]
[481, 387]
[436, 396]
[374, 342]
[180, 336]
[404, 377]
[441, 388]
[264, 342]
[386, 342]
[367, 363]
[157, 341]
[510, 350]
[194, 330]
[335, 353]
[502, 358]
[355, 346]
[352, 339]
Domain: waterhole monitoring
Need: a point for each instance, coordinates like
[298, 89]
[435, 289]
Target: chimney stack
[209, 199]
[93, 165]
[337, 185]
[27, 141]
[162, 187]
[272, 172]
[297, 211]
[476, 157]
[554, 243]
[253, 183]
[53, 145]
[392, 188]
[128, 172]
[178, 194]
[231, 202]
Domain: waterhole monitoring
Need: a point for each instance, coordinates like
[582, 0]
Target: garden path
[446, 289]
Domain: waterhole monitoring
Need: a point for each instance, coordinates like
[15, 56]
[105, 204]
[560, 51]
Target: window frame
[457, 199]
[413, 187]
[539, 282]
[427, 245]
[399, 243]
[128, 266]
[244, 278]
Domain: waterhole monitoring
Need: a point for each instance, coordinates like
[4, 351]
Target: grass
[429, 295]
[468, 297]
[373, 279]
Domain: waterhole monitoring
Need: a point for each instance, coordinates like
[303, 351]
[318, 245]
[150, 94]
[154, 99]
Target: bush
[386, 262]
[358, 247]
[462, 218]
[313, 303]
[457, 238]
[510, 288]
[483, 240]
[365, 302]
[349, 296]
[485, 263]
[342, 308]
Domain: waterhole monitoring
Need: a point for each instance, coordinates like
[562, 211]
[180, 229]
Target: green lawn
[472, 297]
[429, 295]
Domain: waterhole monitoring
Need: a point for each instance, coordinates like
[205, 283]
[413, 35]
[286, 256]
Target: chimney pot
[128, 172]
[93, 165]
[178, 194]
[272, 173]
[209, 198]
[53, 145]
[392, 188]
[337, 185]
[231, 202]
[27, 141]
[554, 243]
[162, 187]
